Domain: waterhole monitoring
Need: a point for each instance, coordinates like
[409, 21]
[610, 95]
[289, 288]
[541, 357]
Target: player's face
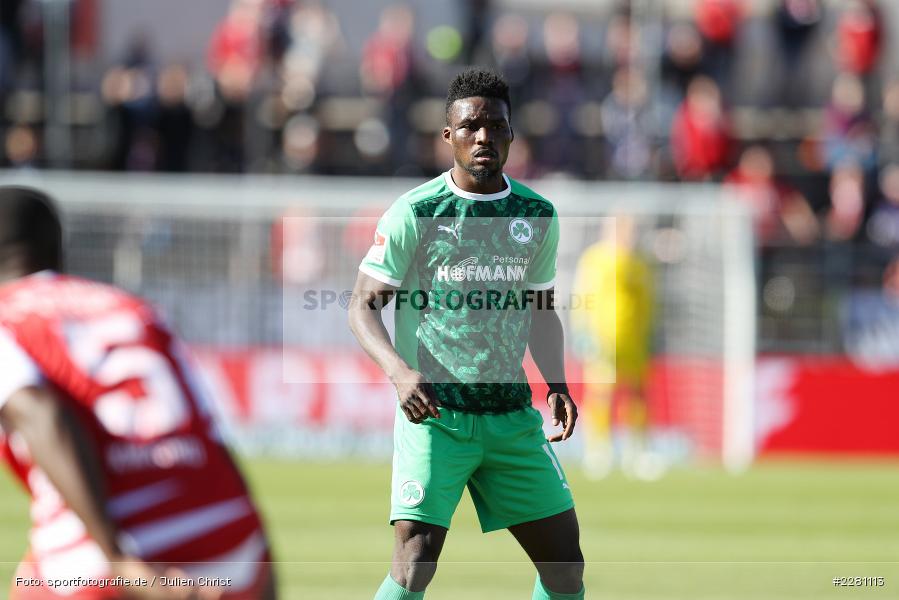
[480, 134]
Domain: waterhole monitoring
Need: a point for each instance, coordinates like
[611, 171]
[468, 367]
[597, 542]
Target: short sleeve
[395, 242]
[17, 369]
[542, 275]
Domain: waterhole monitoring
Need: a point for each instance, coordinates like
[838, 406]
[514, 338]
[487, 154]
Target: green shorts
[510, 469]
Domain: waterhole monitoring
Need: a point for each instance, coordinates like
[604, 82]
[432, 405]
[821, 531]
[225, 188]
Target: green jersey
[467, 268]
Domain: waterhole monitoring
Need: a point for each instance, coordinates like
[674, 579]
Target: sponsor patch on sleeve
[377, 250]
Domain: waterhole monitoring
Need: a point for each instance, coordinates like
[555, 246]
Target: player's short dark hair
[477, 82]
[30, 228]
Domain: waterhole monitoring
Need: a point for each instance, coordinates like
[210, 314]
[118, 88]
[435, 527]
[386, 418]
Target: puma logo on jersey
[453, 230]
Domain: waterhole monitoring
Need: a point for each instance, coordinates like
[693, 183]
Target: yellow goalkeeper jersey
[614, 304]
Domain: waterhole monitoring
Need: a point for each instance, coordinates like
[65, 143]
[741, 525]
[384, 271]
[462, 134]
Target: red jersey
[859, 40]
[172, 488]
[700, 145]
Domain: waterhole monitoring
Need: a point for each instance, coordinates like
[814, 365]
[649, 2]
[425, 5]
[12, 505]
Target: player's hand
[563, 412]
[416, 396]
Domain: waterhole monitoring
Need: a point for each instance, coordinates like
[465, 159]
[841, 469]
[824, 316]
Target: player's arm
[547, 346]
[59, 445]
[369, 298]
[546, 341]
[382, 271]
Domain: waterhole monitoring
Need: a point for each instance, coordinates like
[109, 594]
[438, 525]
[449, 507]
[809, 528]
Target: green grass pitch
[784, 530]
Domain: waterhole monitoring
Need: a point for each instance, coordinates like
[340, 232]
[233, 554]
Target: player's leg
[635, 418]
[631, 438]
[416, 548]
[432, 462]
[553, 544]
[599, 455]
[638, 458]
[521, 486]
[598, 401]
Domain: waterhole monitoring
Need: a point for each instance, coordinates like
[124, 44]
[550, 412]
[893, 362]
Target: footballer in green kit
[469, 260]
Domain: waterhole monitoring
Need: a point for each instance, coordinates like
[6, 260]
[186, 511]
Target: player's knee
[574, 568]
[566, 574]
[417, 549]
[415, 560]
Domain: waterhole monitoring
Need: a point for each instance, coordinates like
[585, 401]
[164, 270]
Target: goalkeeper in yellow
[612, 324]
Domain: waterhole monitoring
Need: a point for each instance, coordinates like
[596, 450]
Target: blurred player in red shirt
[105, 427]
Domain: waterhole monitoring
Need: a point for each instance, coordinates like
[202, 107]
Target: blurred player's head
[30, 232]
[478, 112]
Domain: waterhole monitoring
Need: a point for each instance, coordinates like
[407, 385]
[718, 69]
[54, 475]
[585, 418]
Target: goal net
[254, 272]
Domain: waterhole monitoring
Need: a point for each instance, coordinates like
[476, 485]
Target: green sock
[391, 590]
[541, 593]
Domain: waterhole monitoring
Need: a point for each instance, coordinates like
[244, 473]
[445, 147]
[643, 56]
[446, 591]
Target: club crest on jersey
[469, 270]
[412, 493]
[521, 231]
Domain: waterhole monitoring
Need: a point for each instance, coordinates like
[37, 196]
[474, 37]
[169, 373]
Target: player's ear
[447, 133]
[512, 131]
